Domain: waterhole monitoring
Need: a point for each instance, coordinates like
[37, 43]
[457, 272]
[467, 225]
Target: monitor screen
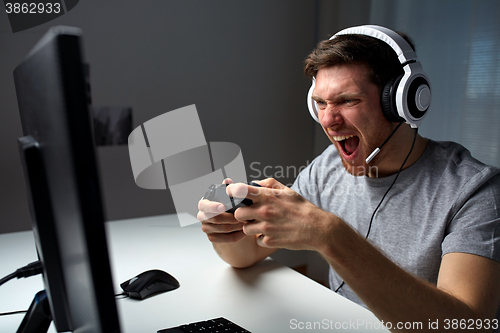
[61, 174]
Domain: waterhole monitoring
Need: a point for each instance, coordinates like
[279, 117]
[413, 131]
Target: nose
[330, 117]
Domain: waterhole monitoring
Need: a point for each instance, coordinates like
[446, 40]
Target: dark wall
[240, 62]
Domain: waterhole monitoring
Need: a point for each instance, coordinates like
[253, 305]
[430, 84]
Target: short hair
[347, 49]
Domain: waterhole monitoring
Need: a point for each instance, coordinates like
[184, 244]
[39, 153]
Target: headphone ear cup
[311, 104]
[388, 100]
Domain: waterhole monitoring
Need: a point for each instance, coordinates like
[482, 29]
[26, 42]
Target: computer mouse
[149, 283]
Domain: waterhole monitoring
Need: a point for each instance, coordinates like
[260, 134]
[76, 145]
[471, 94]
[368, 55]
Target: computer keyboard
[218, 325]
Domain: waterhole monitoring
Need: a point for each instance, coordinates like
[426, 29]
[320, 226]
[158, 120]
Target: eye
[321, 104]
[350, 102]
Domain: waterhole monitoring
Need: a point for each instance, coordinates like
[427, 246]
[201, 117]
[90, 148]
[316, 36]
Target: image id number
[32, 8]
[470, 324]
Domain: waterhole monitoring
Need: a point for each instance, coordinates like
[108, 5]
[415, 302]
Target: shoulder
[456, 153]
[474, 190]
[452, 162]
[459, 184]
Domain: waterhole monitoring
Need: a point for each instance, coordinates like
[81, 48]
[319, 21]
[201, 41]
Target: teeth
[342, 137]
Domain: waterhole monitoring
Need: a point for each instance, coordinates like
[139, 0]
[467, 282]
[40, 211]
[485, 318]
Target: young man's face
[349, 112]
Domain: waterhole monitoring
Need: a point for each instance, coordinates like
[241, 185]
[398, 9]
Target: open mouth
[348, 143]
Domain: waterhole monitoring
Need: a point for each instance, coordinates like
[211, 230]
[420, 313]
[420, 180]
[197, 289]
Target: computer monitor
[61, 174]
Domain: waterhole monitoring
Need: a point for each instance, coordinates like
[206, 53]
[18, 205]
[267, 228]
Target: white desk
[269, 297]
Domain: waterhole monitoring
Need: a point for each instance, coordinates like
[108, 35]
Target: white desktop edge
[269, 297]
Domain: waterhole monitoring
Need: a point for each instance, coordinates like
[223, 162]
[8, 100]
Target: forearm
[391, 293]
[243, 253]
[468, 286]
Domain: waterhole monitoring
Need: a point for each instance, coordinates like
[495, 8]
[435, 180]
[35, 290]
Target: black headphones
[404, 98]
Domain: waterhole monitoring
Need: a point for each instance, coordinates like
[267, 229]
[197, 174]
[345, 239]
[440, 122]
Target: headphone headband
[404, 51]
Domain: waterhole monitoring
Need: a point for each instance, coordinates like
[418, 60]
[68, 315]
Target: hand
[283, 217]
[219, 226]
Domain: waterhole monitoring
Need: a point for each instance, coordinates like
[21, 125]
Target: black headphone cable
[386, 192]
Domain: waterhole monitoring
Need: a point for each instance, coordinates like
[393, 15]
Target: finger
[216, 218]
[227, 181]
[252, 228]
[207, 217]
[276, 188]
[271, 183]
[242, 190]
[246, 214]
[208, 206]
[226, 238]
[212, 228]
[270, 187]
[262, 241]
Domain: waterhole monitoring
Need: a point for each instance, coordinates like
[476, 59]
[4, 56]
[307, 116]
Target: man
[423, 248]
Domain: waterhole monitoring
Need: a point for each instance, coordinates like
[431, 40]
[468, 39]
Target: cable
[8, 278]
[393, 182]
[386, 192]
[377, 150]
[31, 269]
[13, 313]
[121, 295]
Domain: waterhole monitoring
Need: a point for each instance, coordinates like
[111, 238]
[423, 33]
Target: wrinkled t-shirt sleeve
[475, 228]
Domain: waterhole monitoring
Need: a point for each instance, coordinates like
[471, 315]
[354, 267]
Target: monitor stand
[38, 317]
[44, 230]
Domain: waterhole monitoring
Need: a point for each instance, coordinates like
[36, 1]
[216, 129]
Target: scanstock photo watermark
[362, 324]
[352, 324]
[28, 14]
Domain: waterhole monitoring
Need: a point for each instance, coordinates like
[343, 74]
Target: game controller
[218, 193]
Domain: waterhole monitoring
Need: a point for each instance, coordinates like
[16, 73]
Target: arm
[244, 253]
[468, 285]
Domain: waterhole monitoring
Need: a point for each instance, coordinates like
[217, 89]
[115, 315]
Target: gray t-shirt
[445, 202]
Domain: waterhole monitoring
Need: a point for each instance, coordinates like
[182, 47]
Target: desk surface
[268, 297]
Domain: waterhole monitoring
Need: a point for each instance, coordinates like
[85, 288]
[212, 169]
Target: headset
[405, 98]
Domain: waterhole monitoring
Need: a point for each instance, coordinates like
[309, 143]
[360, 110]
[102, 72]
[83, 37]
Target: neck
[396, 151]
